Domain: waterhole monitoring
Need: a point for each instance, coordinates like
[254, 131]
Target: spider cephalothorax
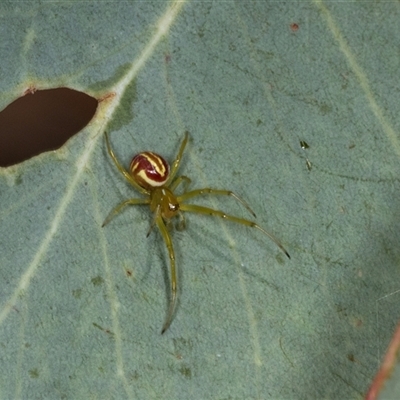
[151, 176]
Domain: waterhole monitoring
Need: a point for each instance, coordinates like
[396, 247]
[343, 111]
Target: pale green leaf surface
[250, 323]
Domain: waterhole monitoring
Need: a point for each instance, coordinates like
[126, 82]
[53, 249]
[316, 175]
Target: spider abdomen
[149, 170]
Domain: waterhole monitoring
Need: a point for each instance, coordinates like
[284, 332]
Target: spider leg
[151, 227]
[168, 242]
[216, 213]
[218, 192]
[153, 222]
[121, 169]
[175, 164]
[181, 224]
[187, 181]
[120, 206]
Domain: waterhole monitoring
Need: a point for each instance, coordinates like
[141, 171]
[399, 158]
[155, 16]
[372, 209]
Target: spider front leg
[175, 164]
[168, 242]
[216, 213]
[121, 169]
[120, 206]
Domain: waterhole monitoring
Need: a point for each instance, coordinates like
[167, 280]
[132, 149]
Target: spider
[151, 176]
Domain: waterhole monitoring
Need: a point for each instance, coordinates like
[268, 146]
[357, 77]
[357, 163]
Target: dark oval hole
[42, 121]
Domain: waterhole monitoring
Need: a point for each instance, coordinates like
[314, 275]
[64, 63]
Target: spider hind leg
[217, 213]
[168, 242]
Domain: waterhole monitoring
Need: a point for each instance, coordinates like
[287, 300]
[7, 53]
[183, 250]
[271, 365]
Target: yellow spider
[151, 175]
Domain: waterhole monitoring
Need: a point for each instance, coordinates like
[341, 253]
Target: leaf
[81, 307]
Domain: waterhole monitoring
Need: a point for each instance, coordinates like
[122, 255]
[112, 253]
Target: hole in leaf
[42, 121]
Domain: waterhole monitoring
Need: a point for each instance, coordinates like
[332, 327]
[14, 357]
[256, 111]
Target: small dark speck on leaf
[98, 280]
[103, 329]
[34, 373]
[304, 145]
[77, 293]
[186, 372]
